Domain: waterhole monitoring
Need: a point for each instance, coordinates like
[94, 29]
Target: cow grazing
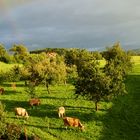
[61, 112]
[69, 121]
[34, 102]
[19, 111]
[1, 90]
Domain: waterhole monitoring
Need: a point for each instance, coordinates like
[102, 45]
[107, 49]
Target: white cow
[19, 111]
[61, 112]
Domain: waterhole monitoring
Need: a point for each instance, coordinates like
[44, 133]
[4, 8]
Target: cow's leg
[66, 126]
[59, 115]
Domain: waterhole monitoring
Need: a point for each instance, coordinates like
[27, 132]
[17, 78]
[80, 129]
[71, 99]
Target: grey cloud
[80, 23]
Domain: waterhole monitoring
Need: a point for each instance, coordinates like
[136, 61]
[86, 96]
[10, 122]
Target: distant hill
[134, 51]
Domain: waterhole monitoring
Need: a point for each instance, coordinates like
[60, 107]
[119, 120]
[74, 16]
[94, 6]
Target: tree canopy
[95, 83]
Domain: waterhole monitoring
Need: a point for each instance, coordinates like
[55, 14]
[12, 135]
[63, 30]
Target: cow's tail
[81, 126]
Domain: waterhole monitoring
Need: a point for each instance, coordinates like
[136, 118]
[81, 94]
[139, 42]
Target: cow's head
[82, 127]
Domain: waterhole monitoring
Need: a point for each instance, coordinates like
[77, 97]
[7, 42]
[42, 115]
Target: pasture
[115, 120]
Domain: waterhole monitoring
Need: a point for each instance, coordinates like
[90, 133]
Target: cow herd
[68, 121]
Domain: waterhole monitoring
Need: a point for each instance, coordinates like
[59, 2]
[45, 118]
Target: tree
[48, 70]
[91, 83]
[118, 63]
[95, 83]
[71, 74]
[4, 56]
[20, 52]
[97, 55]
[55, 71]
[71, 56]
[14, 74]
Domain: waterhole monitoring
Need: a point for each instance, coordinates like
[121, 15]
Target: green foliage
[12, 132]
[95, 83]
[118, 64]
[71, 56]
[31, 89]
[50, 69]
[71, 74]
[97, 55]
[2, 119]
[91, 82]
[2, 77]
[20, 53]
[4, 56]
[14, 74]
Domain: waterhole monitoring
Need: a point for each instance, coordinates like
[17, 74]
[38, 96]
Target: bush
[2, 76]
[12, 132]
[2, 120]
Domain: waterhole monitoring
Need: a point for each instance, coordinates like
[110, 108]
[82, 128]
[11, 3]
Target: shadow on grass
[8, 92]
[43, 110]
[122, 121]
[84, 117]
[10, 85]
[46, 127]
[78, 107]
[55, 98]
[48, 110]
[11, 104]
[39, 111]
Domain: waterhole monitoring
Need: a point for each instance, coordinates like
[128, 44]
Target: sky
[88, 24]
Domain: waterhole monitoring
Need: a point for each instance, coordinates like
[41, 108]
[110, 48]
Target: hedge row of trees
[76, 66]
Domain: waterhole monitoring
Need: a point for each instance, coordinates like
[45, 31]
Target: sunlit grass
[135, 59]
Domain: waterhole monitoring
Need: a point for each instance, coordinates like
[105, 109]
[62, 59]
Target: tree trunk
[47, 85]
[26, 84]
[96, 105]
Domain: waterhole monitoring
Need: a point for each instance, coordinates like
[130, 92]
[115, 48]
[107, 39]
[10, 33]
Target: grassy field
[116, 120]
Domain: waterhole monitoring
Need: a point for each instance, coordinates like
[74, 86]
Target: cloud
[80, 23]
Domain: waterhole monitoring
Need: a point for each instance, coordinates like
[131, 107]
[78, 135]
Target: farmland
[115, 120]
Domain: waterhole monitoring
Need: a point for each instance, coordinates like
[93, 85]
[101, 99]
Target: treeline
[19, 52]
[135, 52]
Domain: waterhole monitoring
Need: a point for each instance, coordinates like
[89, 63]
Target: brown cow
[34, 102]
[1, 90]
[61, 111]
[69, 121]
[19, 111]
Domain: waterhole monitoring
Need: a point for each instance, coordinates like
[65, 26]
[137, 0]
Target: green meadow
[118, 119]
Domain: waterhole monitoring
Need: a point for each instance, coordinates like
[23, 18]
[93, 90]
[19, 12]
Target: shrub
[2, 120]
[12, 132]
